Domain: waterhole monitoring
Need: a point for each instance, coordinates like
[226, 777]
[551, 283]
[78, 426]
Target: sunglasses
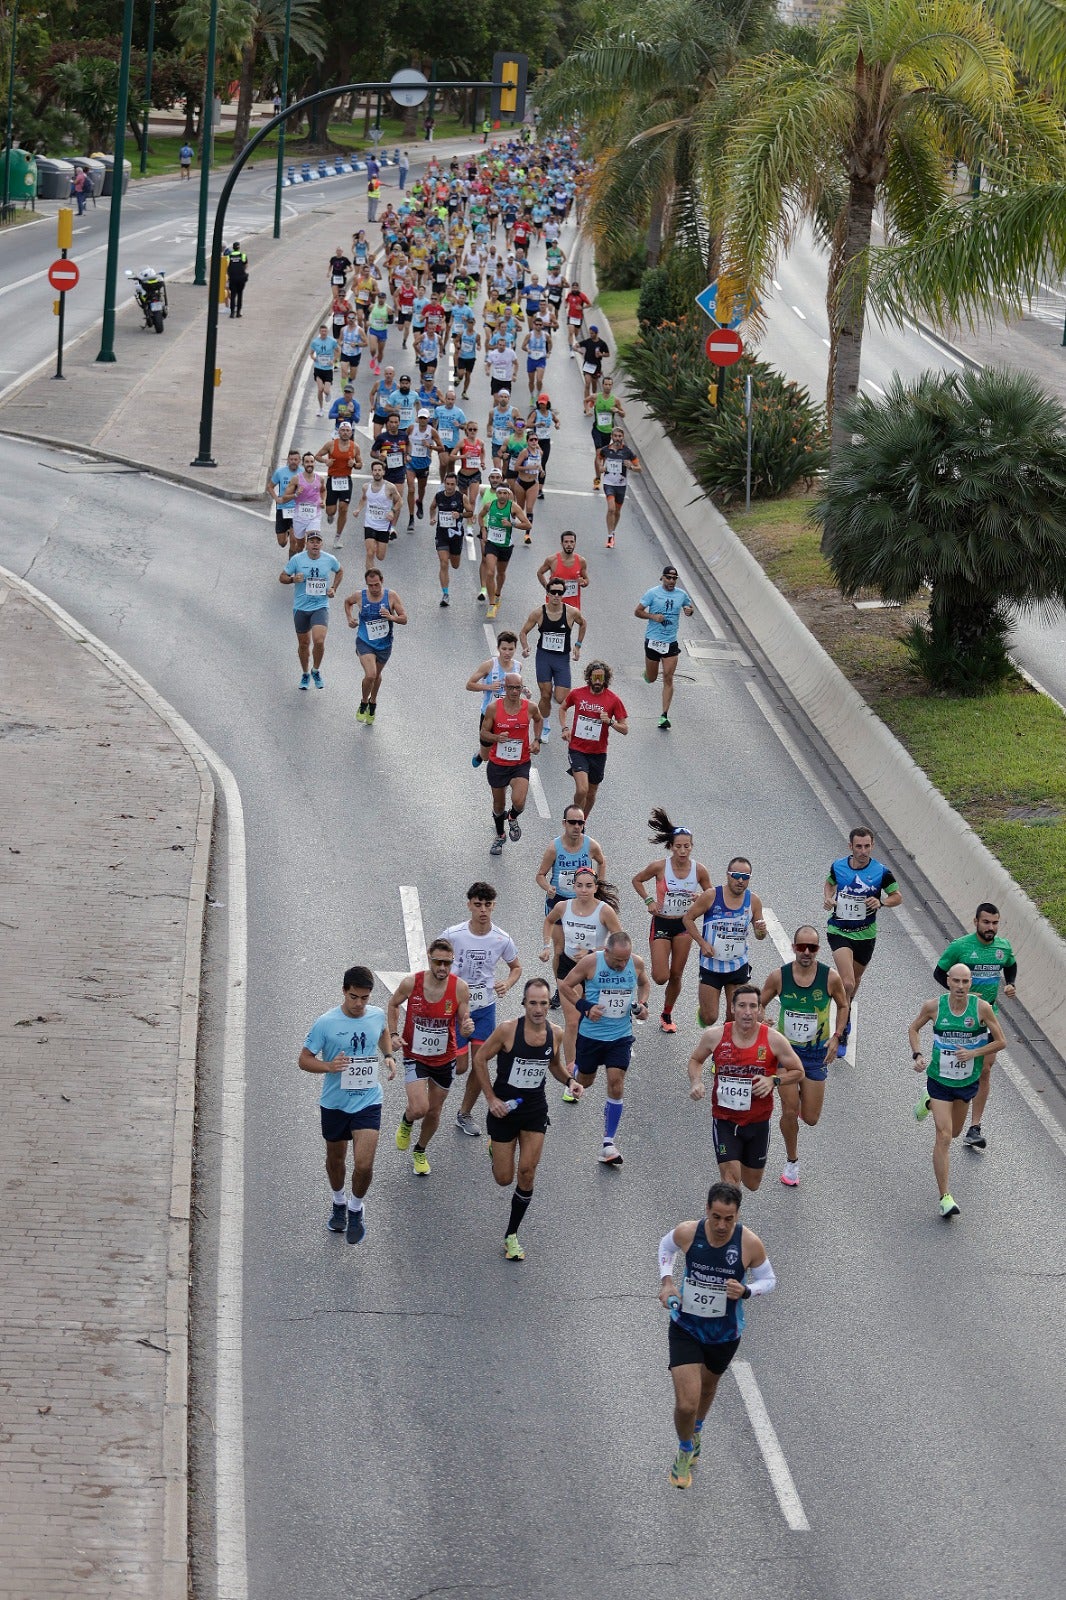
[808, 948]
[569, 822]
[740, 877]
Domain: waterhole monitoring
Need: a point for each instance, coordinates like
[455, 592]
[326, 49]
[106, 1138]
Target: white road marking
[83, 229]
[471, 548]
[413, 930]
[777, 933]
[825, 341]
[35, 277]
[491, 637]
[801, 314]
[873, 385]
[391, 980]
[773, 1455]
[776, 285]
[536, 789]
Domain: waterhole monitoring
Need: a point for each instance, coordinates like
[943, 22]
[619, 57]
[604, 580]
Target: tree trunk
[847, 309]
[190, 120]
[653, 239]
[245, 96]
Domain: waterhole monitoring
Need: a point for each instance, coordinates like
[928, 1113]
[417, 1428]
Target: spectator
[81, 188]
[236, 278]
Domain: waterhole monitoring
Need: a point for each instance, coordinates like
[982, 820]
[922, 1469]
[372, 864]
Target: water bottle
[673, 1303]
[513, 1105]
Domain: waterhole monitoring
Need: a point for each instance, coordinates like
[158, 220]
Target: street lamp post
[207, 139]
[281, 129]
[10, 110]
[148, 88]
[207, 400]
[107, 330]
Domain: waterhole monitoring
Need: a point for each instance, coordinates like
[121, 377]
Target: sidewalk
[1027, 344]
[144, 409]
[107, 825]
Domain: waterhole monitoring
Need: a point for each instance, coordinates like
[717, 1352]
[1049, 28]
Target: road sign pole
[281, 129]
[207, 144]
[118, 173]
[747, 408]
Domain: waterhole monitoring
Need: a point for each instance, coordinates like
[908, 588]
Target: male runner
[277, 483]
[856, 887]
[567, 565]
[597, 711]
[315, 576]
[613, 463]
[446, 521]
[662, 608]
[375, 611]
[555, 622]
[805, 987]
[382, 503]
[479, 947]
[990, 958]
[607, 987]
[510, 735]
[438, 1008]
[343, 457]
[719, 921]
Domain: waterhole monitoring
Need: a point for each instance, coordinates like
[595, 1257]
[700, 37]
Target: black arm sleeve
[1010, 972]
[940, 976]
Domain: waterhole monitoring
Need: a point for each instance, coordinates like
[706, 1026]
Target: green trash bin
[21, 187]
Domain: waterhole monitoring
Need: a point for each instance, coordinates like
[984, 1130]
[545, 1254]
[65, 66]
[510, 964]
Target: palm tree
[644, 89]
[268, 30]
[898, 88]
[959, 482]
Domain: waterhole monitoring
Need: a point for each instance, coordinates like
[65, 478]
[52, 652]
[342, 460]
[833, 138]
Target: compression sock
[515, 812]
[612, 1116]
[519, 1206]
[499, 819]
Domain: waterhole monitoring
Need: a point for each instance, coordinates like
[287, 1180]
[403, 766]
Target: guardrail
[315, 171]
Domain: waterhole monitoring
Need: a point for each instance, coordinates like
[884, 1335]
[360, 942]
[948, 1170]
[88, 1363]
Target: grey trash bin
[95, 168]
[54, 178]
[109, 175]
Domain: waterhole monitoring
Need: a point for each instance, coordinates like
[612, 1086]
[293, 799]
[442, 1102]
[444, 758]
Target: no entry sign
[723, 347]
[63, 275]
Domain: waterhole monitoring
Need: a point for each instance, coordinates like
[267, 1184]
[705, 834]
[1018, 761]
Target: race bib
[658, 646]
[553, 642]
[340, 484]
[675, 905]
[851, 907]
[527, 1074]
[337, 278]
[575, 322]
[571, 586]
[316, 586]
[307, 516]
[949, 1066]
[446, 519]
[360, 1073]
[481, 995]
[589, 729]
[564, 879]
[430, 1036]
[588, 366]
[394, 458]
[377, 628]
[734, 1094]
[704, 1299]
[616, 1002]
[801, 1027]
[509, 751]
[729, 947]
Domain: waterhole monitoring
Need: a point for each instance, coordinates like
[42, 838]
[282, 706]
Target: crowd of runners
[487, 231]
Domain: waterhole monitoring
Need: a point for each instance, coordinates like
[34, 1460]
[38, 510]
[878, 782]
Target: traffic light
[509, 72]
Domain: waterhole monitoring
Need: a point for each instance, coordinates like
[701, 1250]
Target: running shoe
[667, 1023]
[403, 1135]
[476, 760]
[610, 541]
[305, 681]
[420, 1162]
[569, 1097]
[545, 733]
[514, 830]
[370, 712]
[681, 1471]
[493, 609]
[791, 1175]
[644, 677]
[466, 1124]
[512, 1249]
[418, 511]
[338, 544]
[596, 481]
[444, 598]
[555, 1004]
[664, 721]
[973, 1138]
[610, 1155]
[921, 1110]
[482, 594]
[316, 679]
[842, 1047]
[528, 539]
[360, 716]
[697, 1442]
[356, 1230]
[410, 524]
[497, 848]
[948, 1208]
[338, 1217]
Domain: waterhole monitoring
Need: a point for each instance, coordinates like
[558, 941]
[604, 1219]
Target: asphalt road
[796, 341]
[420, 1416]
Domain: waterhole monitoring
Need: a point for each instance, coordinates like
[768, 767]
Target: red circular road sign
[723, 347]
[63, 275]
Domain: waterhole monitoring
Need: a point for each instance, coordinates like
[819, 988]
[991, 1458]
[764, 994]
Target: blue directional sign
[744, 305]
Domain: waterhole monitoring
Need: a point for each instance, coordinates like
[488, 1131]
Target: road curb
[943, 845]
[175, 1462]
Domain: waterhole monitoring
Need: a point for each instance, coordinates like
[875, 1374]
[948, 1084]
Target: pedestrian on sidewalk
[80, 188]
[373, 196]
[429, 125]
[405, 167]
[236, 278]
[277, 104]
[185, 155]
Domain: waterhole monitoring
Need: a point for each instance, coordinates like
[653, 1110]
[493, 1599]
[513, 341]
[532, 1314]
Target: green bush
[653, 307]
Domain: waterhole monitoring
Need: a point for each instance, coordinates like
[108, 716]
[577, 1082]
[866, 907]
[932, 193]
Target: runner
[315, 576]
[727, 913]
[510, 735]
[573, 927]
[449, 420]
[805, 988]
[608, 987]
[607, 409]
[725, 1264]
[380, 399]
[575, 315]
[543, 419]
[479, 947]
[393, 449]
[597, 711]
[423, 441]
[990, 958]
[555, 622]
[593, 353]
[527, 471]
[446, 521]
[304, 494]
[343, 457]
[344, 409]
[678, 883]
[378, 318]
[572, 849]
[501, 364]
[487, 679]
[496, 521]
[375, 611]
[750, 1058]
[856, 888]
[342, 1047]
[537, 346]
[567, 565]
[323, 355]
[525, 1051]
[438, 1015]
[613, 464]
[382, 503]
[966, 1034]
[471, 466]
[662, 608]
[353, 343]
[277, 484]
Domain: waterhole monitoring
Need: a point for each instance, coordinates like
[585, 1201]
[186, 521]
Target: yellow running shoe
[512, 1249]
[421, 1163]
[403, 1135]
[681, 1471]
